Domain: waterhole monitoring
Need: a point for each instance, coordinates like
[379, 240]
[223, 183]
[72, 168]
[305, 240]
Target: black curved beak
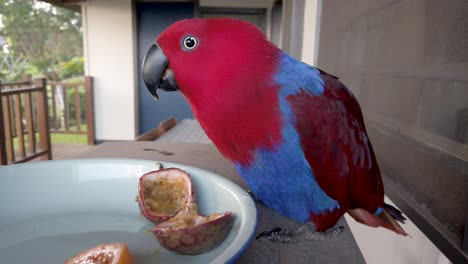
[156, 73]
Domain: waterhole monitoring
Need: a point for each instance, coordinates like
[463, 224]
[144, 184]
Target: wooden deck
[62, 151]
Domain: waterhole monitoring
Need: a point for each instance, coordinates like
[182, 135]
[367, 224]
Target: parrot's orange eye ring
[189, 42]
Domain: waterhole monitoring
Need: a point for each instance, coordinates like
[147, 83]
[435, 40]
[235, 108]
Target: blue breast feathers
[281, 177]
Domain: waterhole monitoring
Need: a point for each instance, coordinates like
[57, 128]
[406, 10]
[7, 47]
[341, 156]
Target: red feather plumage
[337, 147]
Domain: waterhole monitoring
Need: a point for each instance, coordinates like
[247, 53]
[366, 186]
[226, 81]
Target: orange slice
[109, 253]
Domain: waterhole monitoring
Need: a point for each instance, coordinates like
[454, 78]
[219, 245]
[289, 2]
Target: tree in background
[44, 38]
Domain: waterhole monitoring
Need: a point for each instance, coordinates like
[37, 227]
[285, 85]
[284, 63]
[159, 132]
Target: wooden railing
[29, 110]
[66, 120]
[24, 113]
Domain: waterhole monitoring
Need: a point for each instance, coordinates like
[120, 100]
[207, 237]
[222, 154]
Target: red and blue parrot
[295, 133]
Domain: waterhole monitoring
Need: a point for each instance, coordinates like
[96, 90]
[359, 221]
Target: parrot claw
[268, 233]
[304, 232]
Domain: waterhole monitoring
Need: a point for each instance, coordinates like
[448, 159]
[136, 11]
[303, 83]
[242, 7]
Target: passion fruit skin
[193, 240]
[166, 197]
[158, 217]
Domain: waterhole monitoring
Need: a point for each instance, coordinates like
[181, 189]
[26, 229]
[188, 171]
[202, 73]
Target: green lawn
[61, 138]
[68, 138]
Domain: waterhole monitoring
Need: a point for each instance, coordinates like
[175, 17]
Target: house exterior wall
[110, 58]
[407, 63]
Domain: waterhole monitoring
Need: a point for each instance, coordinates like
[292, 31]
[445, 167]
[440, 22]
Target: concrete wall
[111, 59]
[407, 63]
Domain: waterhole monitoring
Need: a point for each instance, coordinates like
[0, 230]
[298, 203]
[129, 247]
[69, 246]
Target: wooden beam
[28, 108]
[89, 109]
[77, 109]
[3, 155]
[73, 5]
[32, 156]
[65, 2]
[155, 133]
[21, 90]
[43, 121]
[19, 125]
[8, 128]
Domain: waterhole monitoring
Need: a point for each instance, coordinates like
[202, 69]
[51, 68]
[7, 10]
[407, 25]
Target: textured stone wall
[407, 63]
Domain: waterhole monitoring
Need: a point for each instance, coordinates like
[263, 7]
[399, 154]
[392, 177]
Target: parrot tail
[387, 218]
[391, 221]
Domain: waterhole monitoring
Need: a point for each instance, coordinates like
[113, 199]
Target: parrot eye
[189, 42]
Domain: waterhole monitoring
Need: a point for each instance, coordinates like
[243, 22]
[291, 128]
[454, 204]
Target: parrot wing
[336, 145]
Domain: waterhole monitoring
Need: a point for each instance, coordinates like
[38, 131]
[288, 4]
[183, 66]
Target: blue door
[152, 19]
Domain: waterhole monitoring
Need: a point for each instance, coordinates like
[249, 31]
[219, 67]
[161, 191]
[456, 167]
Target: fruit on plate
[167, 198]
[163, 193]
[109, 253]
[191, 233]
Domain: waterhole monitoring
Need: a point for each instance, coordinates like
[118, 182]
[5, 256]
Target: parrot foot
[304, 232]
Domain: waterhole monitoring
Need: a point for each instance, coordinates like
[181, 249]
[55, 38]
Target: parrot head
[205, 57]
[225, 69]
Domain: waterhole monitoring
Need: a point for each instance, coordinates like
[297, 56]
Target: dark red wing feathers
[337, 147]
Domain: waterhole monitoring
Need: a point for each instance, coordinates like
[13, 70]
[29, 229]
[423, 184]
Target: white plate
[51, 210]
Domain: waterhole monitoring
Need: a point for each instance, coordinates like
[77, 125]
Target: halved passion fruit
[163, 193]
[166, 197]
[191, 233]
